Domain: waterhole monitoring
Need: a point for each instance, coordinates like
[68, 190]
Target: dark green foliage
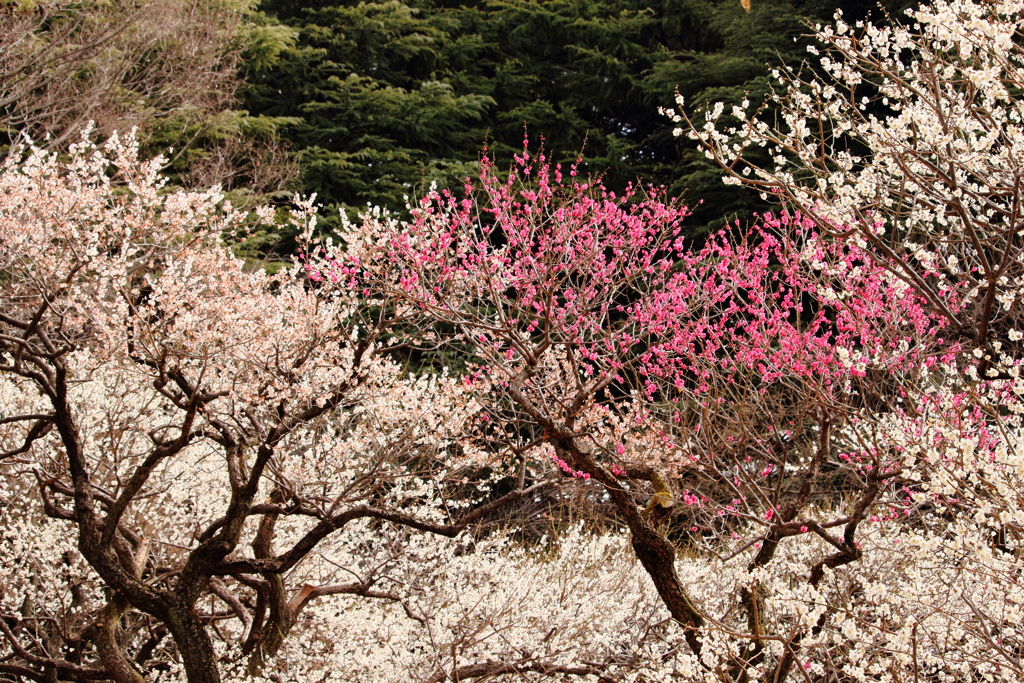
[394, 95]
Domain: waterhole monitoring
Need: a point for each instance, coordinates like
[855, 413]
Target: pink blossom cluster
[567, 291]
[564, 466]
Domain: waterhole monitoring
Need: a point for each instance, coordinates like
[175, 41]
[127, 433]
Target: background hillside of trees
[370, 102]
[391, 96]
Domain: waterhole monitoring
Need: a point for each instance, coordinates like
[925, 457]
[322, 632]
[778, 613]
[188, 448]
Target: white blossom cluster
[910, 143]
[929, 595]
[181, 382]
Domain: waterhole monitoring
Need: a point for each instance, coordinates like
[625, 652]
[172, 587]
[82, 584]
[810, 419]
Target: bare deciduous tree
[169, 68]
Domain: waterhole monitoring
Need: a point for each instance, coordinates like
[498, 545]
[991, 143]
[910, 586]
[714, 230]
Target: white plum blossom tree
[908, 140]
[185, 432]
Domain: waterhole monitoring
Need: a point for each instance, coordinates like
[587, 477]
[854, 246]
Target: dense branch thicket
[166, 67]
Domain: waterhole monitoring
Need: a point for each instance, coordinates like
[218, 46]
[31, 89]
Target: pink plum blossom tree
[743, 383]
